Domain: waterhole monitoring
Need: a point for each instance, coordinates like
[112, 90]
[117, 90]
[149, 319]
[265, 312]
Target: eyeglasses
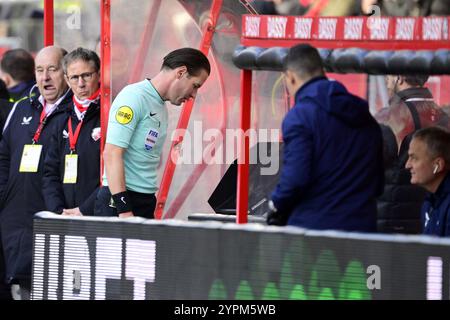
[87, 76]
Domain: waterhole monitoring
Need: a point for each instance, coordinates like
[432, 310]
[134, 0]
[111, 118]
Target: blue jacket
[82, 194]
[21, 192]
[333, 160]
[436, 210]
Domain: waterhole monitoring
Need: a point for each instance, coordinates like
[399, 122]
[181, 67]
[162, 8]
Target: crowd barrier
[112, 258]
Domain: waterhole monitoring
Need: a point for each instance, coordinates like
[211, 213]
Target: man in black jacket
[22, 149]
[411, 107]
[72, 165]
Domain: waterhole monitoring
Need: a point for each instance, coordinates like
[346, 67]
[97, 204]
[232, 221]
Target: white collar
[50, 107]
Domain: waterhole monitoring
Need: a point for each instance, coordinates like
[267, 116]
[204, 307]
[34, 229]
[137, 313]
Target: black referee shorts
[143, 204]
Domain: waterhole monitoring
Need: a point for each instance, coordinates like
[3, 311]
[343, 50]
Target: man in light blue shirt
[137, 129]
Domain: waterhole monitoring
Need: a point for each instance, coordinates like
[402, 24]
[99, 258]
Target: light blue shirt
[137, 122]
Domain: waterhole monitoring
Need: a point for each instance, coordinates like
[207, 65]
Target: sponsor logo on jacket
[96, 134]
[26, 121]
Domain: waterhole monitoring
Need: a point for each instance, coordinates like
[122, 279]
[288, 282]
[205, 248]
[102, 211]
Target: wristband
[122, 201]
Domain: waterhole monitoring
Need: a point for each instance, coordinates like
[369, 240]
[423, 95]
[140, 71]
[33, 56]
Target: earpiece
[436, 168]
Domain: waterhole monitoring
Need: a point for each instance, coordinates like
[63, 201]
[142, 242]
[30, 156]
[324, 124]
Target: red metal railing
[48, 23]
[243, 159]
[105, 82]
[375, 33]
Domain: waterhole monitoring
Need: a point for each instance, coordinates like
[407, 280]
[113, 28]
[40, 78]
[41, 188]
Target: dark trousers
[142, 204]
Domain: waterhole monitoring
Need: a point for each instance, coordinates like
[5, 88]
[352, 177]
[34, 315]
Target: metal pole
[244, 153]
[48, 23]
[105, 73]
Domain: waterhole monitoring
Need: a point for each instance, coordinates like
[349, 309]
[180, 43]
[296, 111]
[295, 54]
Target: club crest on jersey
[150, 139]
[96, 134]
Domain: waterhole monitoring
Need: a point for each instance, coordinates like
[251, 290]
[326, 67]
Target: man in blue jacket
[333, 162]
[429, 164]
[22, 149]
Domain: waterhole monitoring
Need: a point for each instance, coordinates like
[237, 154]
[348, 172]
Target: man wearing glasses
[137, 128]
[22, 150]
[72, 164]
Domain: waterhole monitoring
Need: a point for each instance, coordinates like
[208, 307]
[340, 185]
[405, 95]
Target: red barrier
[379, 33]
[48, 23]
[105, 74]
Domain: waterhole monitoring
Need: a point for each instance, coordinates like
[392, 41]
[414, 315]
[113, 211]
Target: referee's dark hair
[193, 59]
[304, 60]
[19, 64]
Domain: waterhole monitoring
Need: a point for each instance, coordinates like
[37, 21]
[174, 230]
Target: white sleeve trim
[10, 115]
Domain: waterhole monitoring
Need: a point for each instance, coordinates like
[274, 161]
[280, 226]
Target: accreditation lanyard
[73, 137]
[42, 122]
[31, 154]
[71, 162]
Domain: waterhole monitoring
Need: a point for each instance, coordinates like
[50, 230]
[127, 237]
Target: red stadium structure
[371, 33]
[375, 33]
[129, 49]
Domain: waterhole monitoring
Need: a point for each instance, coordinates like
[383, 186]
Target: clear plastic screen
[77, 23]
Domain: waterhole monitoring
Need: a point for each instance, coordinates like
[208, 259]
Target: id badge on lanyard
[71, 168]
[71, 163]
[30, 158]
[32, 152]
